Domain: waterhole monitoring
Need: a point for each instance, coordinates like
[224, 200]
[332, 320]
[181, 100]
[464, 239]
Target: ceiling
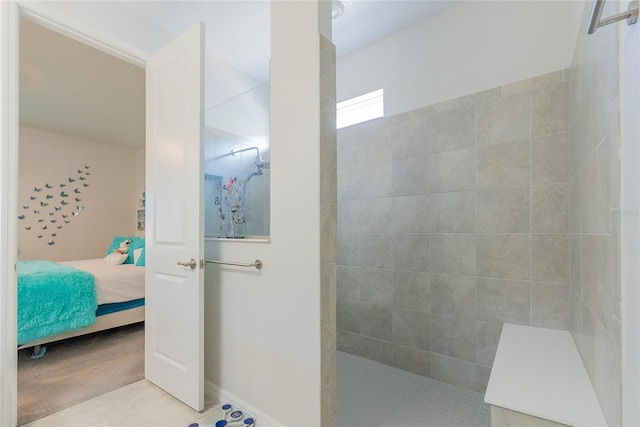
[238, 31]
[67, 87]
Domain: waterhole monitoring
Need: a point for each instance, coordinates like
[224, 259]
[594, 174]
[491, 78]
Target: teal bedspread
[53, 298]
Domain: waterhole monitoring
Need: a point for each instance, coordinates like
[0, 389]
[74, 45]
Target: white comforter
[114, 283]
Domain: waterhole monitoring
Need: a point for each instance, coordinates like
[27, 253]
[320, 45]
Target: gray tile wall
[594, 212]
[453, 219]
[328, 229]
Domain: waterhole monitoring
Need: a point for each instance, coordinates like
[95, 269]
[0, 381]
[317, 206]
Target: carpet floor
[78, 369]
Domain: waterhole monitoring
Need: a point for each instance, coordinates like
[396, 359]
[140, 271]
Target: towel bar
[257, 263]
[631, 15]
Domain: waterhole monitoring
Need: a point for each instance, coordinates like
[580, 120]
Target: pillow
[136, 255]
[141, 260]
[136, 242]
[115, 258]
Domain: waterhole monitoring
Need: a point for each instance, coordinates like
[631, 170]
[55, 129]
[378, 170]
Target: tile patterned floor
[140, 404]
[371, 394]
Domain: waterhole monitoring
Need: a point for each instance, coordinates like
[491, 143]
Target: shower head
[258, 164]
[257, 168]
[258, 156]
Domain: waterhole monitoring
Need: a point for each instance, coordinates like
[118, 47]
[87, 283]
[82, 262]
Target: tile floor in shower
[370, 394]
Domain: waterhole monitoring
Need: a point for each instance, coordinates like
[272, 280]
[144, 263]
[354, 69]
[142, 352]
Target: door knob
[191, 264]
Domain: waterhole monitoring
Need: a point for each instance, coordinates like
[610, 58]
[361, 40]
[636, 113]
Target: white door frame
[8, 208]
[10, 13]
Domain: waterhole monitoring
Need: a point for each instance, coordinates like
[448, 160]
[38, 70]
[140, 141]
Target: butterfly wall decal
[60, 202]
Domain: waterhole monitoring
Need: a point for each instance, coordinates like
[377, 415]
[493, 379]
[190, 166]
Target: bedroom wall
[108, 202]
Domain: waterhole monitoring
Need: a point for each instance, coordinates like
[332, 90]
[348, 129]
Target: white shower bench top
[539, 372]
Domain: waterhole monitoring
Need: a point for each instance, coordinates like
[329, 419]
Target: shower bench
[538, 379]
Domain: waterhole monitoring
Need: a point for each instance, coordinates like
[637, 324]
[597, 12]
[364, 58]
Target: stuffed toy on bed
[119, 254]
[124, 247]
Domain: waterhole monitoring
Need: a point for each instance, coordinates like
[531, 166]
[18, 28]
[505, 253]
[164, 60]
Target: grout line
[530, 213]
[475, 219]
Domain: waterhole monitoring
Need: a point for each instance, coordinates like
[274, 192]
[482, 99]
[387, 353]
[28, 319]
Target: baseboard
[223, 396]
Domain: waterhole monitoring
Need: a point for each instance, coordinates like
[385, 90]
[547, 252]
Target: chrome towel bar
[257, 263]
[631, 15]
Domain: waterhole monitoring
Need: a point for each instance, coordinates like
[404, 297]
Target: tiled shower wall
[595, 211]
[453, 219]
[328, 228]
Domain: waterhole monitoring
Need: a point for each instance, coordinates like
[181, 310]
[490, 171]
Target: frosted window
[360, 109]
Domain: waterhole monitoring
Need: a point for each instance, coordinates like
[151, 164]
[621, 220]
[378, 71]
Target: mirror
[237, 167]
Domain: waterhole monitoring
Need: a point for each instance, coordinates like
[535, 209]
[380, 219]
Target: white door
[174, 337]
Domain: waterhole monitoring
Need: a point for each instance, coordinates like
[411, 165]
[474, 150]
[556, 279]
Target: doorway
[81, 110]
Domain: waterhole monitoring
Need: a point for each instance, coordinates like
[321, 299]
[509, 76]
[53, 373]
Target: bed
[67, 299]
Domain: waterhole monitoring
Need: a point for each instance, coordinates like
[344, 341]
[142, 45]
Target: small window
[360, 109]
